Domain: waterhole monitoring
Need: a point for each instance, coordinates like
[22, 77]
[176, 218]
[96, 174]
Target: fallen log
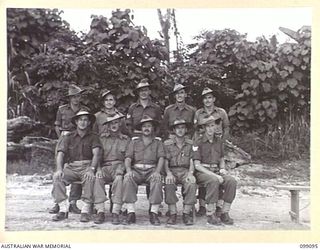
[235, 156]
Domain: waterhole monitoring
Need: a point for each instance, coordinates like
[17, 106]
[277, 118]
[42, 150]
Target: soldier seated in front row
[143, 161]
[179, 170]
[208, 155]
[114, 145]
[77, 160]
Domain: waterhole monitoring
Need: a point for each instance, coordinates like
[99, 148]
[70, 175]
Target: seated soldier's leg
[59, 193]
[189, 191]
[202, 202]
[211, 184]
[220, 202]
[229, 186]
[129, 195]
[75, 195]
[171, 199]
[99, 198]
[155, 198]
[87, 197]
[116, 198]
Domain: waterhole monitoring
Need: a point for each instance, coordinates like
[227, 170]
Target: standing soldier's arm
[128, 159]
[165, 123]
[58, 123]
[129, 121]
[226, 125]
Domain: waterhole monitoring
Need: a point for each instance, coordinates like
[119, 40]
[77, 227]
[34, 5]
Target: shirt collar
[149, 104]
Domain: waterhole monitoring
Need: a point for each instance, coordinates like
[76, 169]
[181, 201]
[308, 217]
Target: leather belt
[80, 163]
[180, 166]
[112, 163]
[144, 166]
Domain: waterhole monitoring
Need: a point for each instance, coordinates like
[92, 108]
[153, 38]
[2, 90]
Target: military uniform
[137, 111]
[78, 156]
[179, 165]
[145, 159]
[101, 117]
[63, 121]
[209, 154]
[173, 112]
[114, 148]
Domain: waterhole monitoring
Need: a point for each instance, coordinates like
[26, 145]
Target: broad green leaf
[282, 85]
[262, 76]
[295, 92]
[266, 87]
[292, 82]
[265, 104]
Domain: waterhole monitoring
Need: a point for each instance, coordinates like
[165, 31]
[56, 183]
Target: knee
[229, 180]
[170, 188]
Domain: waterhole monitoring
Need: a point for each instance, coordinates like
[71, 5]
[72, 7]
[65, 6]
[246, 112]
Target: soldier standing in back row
[64, 126]
[178, 110]
[144, 106]
[222, 130]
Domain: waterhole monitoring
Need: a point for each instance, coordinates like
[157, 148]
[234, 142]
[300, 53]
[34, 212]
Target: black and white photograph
[158, 119]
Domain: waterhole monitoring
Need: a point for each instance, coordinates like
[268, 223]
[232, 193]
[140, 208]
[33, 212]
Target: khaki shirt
[141, 154]
[77, 148]
[208, 152]
[172, 113]
[114, 147]
[220, 112]
[64, 115]
[136, 111]
[101, 117]
[178, 157]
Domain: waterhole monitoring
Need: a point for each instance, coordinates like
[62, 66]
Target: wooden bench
[294, 190]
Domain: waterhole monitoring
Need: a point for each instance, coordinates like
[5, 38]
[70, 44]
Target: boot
[60, 216]
[213, 220]
[201, 212]
[172, 220]
[218, 212]
[226, 219]
[187, 219]
[129, 219]
[55, 209]
[115, 219]
[84, 217]
[154, 220]
[100, 218]
[74, 209]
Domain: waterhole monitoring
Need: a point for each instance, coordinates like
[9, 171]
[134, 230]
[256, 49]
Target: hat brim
[218, 120]
[188, 125]
[119, 118]
[91, 117]
[154, 123]
[137, 89]
[80, 92]
[175, 91]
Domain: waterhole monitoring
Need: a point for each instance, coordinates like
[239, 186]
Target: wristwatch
[92, 168]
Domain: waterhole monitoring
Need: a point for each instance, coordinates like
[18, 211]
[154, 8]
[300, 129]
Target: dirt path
[258, 206]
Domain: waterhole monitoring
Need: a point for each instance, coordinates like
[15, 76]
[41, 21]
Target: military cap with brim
[206, 91]
[113, 118]
[83, 112]
[177, 88]
[145, 119]
[209, 119]
[106, 92]
[74, 90]
[144, 83]
[179, 122]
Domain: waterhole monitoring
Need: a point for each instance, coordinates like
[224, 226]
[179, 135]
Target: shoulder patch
[195, 148]
[158, 138]
[168, 142]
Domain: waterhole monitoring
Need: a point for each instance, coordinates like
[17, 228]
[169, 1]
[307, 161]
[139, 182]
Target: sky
[253, 21]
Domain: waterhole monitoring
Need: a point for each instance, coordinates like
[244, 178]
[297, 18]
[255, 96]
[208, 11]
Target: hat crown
[146, 118]
[83, 112]
[206, 90]
[209, 119]
[105, 92]
[74, 90]
[178, 87]
[179, 121]
[142, 84]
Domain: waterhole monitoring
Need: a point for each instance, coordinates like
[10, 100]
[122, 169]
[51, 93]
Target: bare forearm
[59, 161]
[160, 165]
[127, 164]
[95, 158]
[56, 128]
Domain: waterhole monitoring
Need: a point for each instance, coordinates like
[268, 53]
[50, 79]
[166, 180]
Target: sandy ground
[258, 206]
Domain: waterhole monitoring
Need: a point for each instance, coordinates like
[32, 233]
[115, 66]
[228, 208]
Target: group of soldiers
[126, 151]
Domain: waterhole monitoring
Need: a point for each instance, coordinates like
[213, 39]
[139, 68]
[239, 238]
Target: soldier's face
[109, 101]
[144, 93]
[210, 128]
[208, 100]
[180, 130]
[114, 126]
[83, 122]
[147, 128]
[181, 95]
[75, 100]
